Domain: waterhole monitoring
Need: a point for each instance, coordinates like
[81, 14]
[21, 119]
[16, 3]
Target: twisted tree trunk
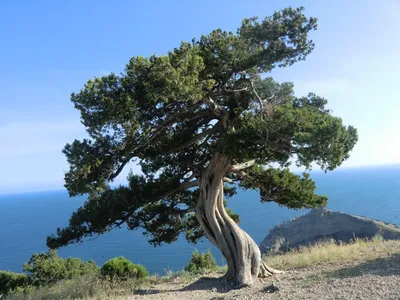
[242, 254]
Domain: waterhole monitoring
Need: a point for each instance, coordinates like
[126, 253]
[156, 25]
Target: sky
[49, 49]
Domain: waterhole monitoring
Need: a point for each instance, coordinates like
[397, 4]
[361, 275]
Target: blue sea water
[26, 220]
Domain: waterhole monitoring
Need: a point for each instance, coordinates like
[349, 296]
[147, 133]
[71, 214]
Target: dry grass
[83, 288]
[95, 288]
[331, 252]
[324, 253]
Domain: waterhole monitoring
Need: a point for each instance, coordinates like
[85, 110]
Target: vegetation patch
[122, 268]
[10, 281]
[331, 252]
[48, 268]
[201, 262]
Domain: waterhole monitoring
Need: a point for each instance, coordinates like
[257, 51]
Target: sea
[26, 220]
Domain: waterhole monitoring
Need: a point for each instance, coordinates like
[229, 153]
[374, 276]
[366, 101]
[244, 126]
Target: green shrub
[10, 281]
[201, 262]
[120, 267]
[47, 268]
[85, 287]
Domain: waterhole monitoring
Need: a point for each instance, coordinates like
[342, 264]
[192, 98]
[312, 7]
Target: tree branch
[242, 166]
[185, 164]
[189, 178]
[182, 186]
[113, 174]
[217, 109]
[237, 91]
[194, 139]
[261, 101]
[226, 179]
[120, 168]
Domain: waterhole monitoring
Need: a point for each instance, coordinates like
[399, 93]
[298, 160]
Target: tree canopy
[173, 113]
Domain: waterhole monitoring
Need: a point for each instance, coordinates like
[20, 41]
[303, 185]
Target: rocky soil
[378, 279]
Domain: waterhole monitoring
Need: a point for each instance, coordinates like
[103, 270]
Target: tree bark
[242, 254]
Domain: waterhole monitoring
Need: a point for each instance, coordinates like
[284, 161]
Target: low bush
[48, 268]
[85, 287]
[122, 268]
[201, 262]
[10, 281]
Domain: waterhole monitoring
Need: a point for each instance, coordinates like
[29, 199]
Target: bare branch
[120, 168]
[215, 107]
[185, 164]
[270, 97]
[183, 186]
[169, 122]
[203, 113]
[261, 101]
[189, 178]
[237, 91]
[242, 166]
[226, 179]
[194, 139]
[243, 173]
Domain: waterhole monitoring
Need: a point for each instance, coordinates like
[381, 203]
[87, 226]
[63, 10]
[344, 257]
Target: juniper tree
[201, 121]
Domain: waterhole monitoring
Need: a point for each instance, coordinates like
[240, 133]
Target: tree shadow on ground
[388, 266]
[150, 291]
[208, 283]
[202, 284]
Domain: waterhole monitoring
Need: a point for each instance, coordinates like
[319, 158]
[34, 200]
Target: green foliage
[122, 268]
[201, 262]
[48, 268]
[9, 281]
[174, 112]
[284, 188]
[86, 287]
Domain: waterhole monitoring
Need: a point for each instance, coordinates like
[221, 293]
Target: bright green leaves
[283, 187]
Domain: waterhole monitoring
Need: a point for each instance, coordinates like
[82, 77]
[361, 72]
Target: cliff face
[322, 224]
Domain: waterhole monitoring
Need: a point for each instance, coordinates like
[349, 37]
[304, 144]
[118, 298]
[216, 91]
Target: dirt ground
[379, 279]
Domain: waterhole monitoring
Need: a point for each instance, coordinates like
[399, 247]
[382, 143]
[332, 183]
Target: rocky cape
[323, 224]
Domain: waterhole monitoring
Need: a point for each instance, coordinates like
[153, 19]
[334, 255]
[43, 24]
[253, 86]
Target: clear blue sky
[50, 48]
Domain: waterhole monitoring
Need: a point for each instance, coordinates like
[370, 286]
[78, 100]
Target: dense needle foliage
[172, 113]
